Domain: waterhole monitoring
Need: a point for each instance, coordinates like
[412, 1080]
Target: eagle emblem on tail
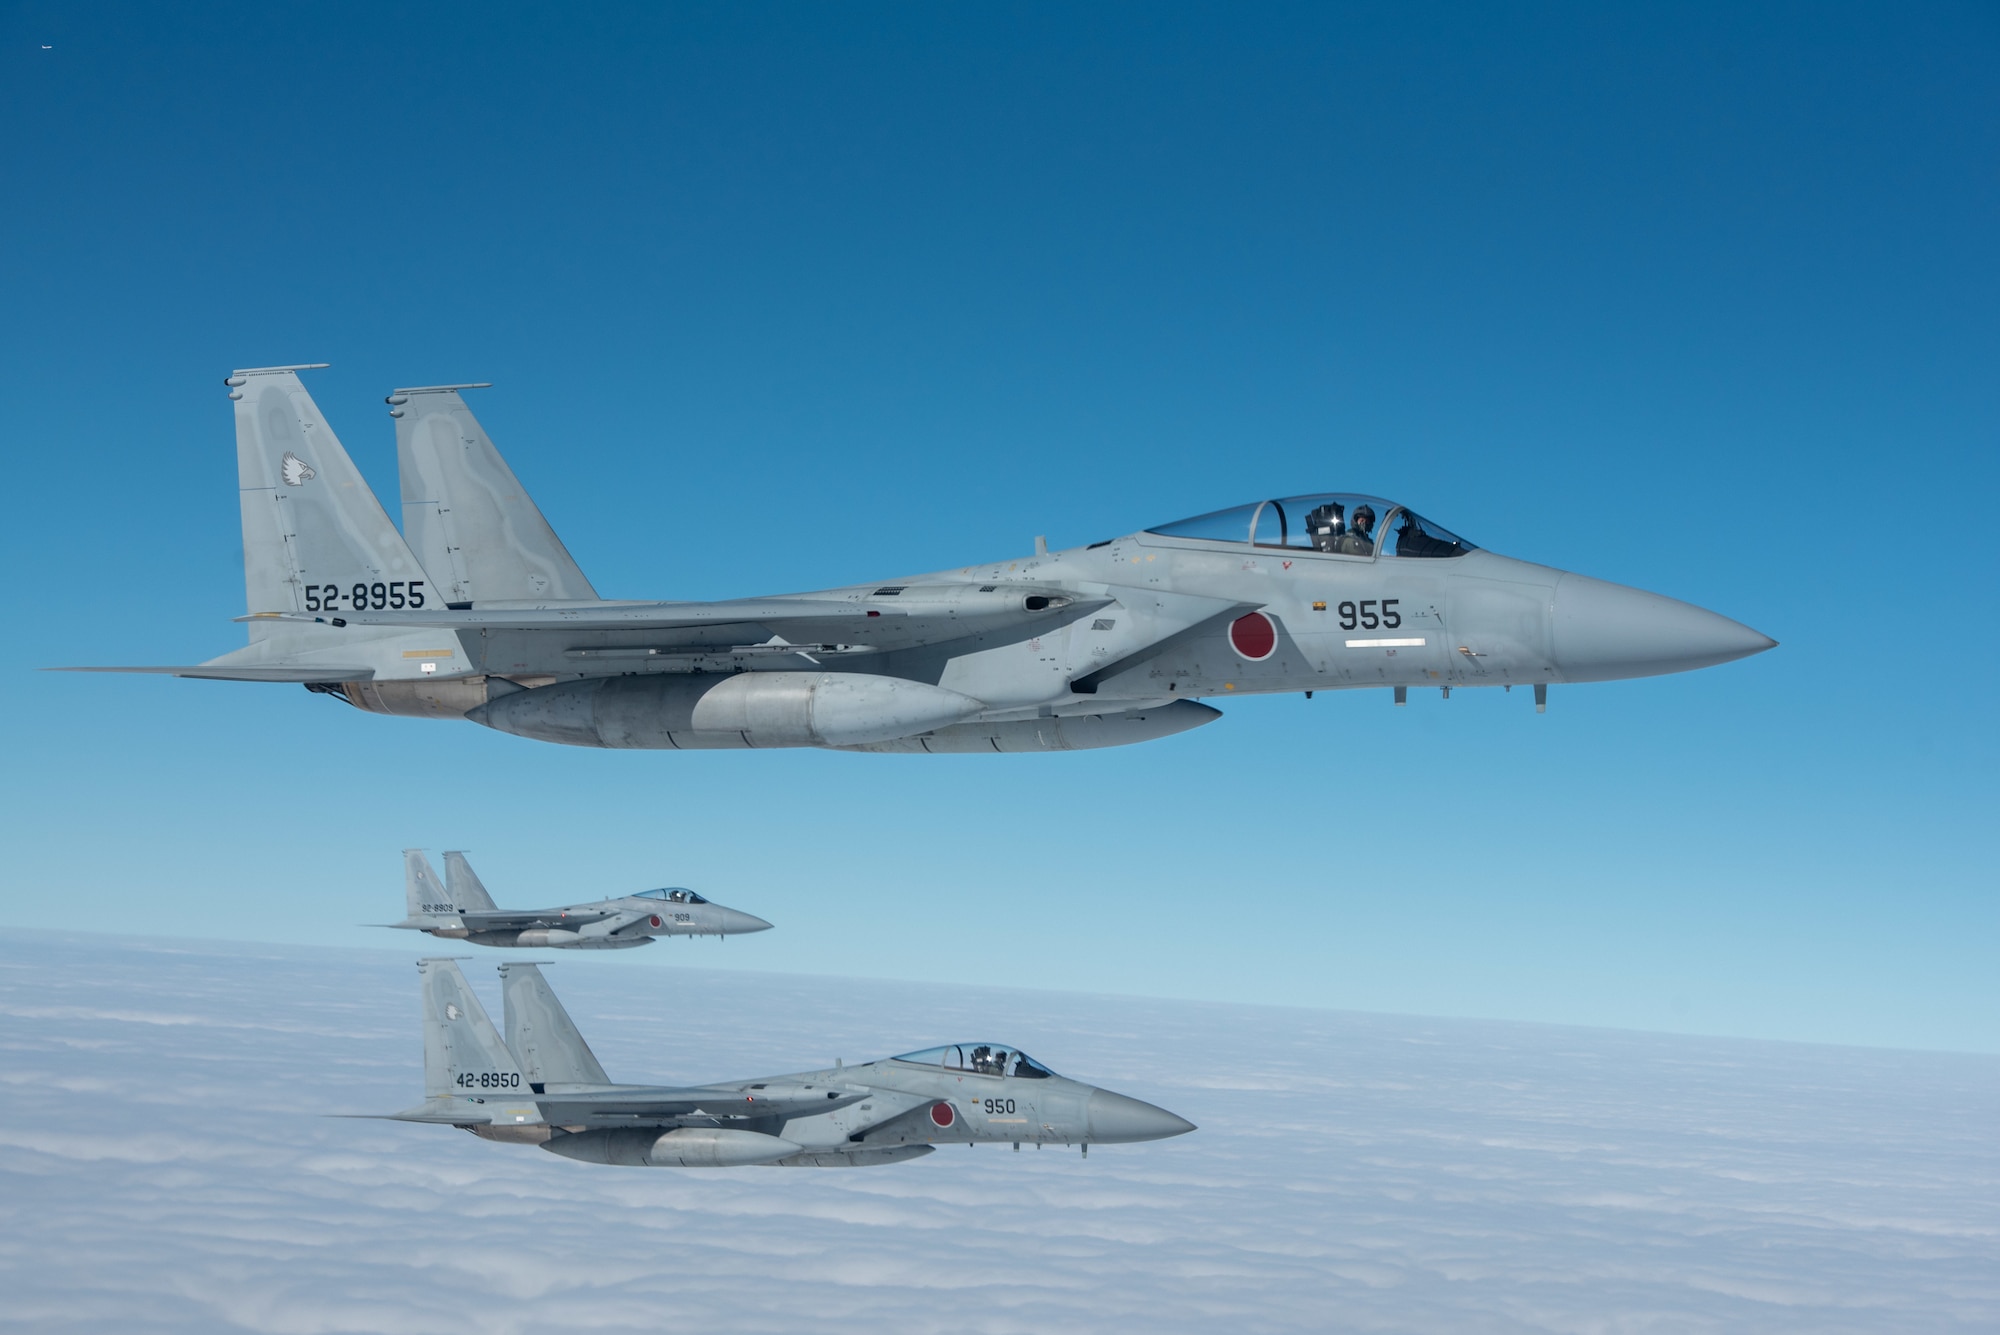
[297, 472]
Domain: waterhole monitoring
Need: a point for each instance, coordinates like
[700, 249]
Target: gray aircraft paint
[467, 515]
[540, 1034]
[542, 1085]
[1105, 645]
[463, 885]
[461, 910]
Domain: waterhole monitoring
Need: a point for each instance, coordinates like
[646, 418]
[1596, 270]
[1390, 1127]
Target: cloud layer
[165, 1165]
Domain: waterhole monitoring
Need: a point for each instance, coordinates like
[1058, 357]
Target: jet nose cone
[1113, 1118]
[735, 922]
[1603, 632]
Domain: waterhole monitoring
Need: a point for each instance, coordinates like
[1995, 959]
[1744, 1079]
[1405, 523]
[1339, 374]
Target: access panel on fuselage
[1499, 631]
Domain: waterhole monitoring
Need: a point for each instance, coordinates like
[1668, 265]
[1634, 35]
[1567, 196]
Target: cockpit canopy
[673, 895]
[1337, 523]
[980, 1059]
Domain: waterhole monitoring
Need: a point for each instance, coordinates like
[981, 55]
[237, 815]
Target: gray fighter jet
[542, 1085]
[461, 910]
[476, 611]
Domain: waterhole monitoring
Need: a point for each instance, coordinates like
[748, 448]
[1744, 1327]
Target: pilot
[1360, 539]
[1325, 525]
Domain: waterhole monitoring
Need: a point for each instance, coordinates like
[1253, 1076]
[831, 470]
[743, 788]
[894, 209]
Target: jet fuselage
[475, 610]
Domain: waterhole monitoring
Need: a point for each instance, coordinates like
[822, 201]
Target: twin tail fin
[464, 1057]
[463, 886]
[468, 517]
[314, 536]
[542, 1037]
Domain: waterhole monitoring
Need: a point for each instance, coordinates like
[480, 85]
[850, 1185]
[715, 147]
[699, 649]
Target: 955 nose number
[1371, 614]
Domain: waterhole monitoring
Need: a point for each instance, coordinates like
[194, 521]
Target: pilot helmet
[1364, 509]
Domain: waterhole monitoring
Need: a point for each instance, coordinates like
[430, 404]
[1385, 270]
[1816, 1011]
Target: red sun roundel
[1253, 636]
[942, 1114]
[655, 920]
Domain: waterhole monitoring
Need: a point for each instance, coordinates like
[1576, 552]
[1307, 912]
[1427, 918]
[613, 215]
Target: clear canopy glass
[980, 1059]
[1414, 535]
[673, 895]
[1335, 523]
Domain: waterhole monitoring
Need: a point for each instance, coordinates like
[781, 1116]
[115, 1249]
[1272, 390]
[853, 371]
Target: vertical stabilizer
[542, 1037]
[467, 515]
[463, 1054]
[427, 901]
[462, 887]
[314, 536]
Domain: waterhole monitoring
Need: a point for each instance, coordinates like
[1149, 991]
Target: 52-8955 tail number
[365, 597]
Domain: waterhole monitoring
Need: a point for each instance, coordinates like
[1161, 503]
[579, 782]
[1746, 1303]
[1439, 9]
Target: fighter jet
[477, 611]
[543, 1086]
[461, 910]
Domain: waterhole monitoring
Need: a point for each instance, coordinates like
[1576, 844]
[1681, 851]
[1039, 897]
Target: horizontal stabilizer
[202, 672]
[439, 1112]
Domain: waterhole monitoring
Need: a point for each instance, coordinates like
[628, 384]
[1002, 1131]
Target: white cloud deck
[163, 1167]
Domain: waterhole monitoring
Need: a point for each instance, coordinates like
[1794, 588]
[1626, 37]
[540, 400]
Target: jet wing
[496, 920]
[638, 1105]
[633, 1105]
[591, 922]
[890, 617]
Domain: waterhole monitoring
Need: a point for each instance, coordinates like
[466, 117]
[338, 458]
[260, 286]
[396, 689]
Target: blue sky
[1699, 300]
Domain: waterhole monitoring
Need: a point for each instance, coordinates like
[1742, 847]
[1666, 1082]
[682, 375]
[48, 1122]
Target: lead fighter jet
[475, 610]
[542, 1085]
[461, 910]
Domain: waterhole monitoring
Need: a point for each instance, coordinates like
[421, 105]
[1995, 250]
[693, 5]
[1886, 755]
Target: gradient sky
[776, 298]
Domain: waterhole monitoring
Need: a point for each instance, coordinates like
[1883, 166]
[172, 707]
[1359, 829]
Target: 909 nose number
[365, 597]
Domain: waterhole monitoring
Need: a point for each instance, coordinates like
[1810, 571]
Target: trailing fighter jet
[476, 611]
[542, 1085]
[461, 910]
